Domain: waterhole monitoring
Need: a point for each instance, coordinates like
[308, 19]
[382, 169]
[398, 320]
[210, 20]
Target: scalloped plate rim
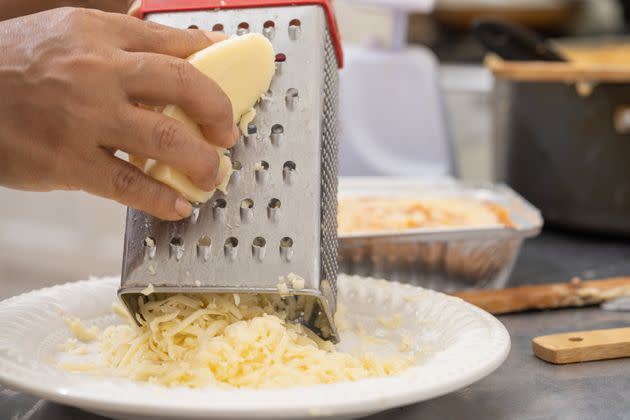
[358, 406]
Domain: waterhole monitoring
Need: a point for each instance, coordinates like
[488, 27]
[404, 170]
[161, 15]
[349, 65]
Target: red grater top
[160, 6]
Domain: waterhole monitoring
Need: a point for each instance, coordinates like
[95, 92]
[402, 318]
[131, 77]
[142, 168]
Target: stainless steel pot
[562, 140]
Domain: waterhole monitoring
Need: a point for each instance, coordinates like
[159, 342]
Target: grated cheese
[80, 331]
[209, 340]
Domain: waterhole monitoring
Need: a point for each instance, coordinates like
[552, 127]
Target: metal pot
[562, 140]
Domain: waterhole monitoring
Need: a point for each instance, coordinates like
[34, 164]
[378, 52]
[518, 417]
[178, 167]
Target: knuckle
[195, 37]
[157, 29]
[124, 181]
[86, 63]
[185, 74]
[167, 135]
[76, 16]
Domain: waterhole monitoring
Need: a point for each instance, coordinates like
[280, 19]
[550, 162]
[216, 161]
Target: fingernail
[214, 36]
[183, 207]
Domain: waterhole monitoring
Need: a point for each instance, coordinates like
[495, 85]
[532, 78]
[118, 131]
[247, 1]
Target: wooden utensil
[583, 346]
[548, 296]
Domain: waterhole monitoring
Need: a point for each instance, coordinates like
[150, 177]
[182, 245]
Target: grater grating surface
[278, 217]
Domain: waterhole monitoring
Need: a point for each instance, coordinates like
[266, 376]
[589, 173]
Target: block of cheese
[243, 67]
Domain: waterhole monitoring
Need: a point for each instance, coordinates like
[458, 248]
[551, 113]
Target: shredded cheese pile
[370, 214]
[227, 340]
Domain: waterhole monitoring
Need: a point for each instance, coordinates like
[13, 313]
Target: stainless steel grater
[280, 213]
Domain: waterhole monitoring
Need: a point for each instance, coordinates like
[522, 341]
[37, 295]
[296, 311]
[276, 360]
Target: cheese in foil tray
[377, 214]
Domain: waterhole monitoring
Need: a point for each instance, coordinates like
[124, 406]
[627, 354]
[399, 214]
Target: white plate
[462, 345]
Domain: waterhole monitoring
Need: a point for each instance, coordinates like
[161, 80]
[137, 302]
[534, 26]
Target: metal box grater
[280, 213]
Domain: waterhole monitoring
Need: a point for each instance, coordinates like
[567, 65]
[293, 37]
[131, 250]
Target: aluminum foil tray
[438, 258]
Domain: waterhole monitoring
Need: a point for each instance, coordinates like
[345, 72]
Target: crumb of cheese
[297, 282]
[283, 289]
[391, 322]
[341, 319]
[406, 344]
[412, 298]
[148, 290]
[80, 331]
[381, 284]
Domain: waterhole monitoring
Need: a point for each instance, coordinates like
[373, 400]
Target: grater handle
[162, 6]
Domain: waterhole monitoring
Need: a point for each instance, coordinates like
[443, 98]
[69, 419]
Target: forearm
[14, 8]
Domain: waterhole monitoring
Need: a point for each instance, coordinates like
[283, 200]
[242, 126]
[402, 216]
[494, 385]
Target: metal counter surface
[524, 387]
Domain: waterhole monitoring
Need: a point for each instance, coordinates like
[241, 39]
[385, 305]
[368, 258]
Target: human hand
[70, 80]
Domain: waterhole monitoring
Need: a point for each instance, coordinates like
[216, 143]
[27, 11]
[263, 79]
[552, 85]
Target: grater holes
[236, 172]
[277, 130]
[218, 27]
[274, 209]
[266, 99]
[176, 248]
[295, 29]
[262, 171]
[288, 171]
[193, 27]
[204, 245]
[247, 210]
[262, 166]
[259, 248]
[286, 249]
[269, 29]
[194, 215]
[150, 247]
[291, 98]
[218, 209]
[252, 130]
[280, 62]
[230, 248]
[242, 28]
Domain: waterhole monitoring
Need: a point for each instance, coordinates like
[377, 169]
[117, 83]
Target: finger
[133, 34]
[134, 8]
[121, 181]
[153, 135]
[161, 80]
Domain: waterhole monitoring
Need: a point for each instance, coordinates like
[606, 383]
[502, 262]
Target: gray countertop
[524, 387]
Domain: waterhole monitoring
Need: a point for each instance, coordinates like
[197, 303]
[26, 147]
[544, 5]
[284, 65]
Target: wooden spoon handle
[547, 296]
[583, 346]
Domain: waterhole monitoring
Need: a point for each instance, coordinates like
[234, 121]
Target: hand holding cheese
[242, 67]
[70, 81]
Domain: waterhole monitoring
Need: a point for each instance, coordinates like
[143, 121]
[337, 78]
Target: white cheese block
[243, 67]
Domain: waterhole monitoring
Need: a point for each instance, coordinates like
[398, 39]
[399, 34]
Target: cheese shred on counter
[205, 340]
